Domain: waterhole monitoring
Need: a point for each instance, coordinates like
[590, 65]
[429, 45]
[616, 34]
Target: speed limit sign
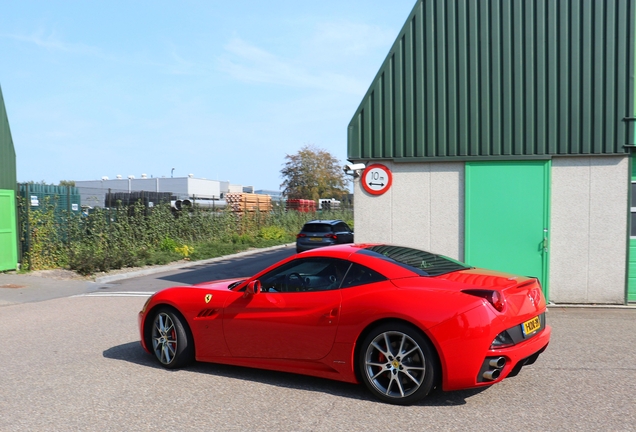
[376, 179]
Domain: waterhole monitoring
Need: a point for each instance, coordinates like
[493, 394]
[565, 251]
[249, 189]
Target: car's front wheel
[171, 339]
[397, 364]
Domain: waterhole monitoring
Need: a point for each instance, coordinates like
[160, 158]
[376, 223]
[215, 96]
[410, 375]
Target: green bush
[168, 245]
[162, 257]
[273, 233]
[131, 236]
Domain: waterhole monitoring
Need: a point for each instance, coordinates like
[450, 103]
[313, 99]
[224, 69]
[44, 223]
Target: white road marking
[116, 294]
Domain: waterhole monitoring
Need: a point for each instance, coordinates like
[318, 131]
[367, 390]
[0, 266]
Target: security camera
[354, 167]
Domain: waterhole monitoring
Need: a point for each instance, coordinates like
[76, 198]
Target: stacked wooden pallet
[301, 205]
[248, 202]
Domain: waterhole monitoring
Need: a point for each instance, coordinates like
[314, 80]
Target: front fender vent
[207, 313]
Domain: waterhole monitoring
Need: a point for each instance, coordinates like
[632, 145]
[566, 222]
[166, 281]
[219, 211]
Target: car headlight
[143, 309]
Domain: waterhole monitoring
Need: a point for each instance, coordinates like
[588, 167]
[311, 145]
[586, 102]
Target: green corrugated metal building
[507, 127]
[8, 182]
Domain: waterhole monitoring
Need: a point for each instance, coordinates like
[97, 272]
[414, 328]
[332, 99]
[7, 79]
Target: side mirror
[253, 287]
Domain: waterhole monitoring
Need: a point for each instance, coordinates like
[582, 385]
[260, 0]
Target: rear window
[418, 261]
[317, 228]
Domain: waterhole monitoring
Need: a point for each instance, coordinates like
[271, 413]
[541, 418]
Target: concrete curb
[170, 267]
[591, 306]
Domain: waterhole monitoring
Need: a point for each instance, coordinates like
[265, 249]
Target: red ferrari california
[400, 320]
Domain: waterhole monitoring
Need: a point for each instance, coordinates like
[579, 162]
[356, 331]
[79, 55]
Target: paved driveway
[75, 364]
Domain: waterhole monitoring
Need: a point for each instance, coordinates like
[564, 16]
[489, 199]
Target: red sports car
[400, 320]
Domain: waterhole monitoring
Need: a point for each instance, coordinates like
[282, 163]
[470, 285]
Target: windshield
[421, 262]
[235, 284]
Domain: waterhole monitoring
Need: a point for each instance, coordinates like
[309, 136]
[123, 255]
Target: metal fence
[70, 211]
[64, 200]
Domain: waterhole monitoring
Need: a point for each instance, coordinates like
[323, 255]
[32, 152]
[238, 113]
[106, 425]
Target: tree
[313, 173]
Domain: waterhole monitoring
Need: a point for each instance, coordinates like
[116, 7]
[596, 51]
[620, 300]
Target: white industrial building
[93, 192]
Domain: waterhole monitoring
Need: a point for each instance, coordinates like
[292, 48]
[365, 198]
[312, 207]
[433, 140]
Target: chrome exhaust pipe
[497, 363]
[492, 375]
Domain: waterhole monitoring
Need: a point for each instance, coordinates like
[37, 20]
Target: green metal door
[8, 235]
[631, 281]
[631, 277]
[507, 217]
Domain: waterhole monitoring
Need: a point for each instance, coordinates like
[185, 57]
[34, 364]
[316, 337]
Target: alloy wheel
[164, 338]
[394, 364]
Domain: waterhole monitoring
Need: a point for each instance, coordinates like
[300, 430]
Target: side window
[342, 227]
[360, 275]
[308, 274]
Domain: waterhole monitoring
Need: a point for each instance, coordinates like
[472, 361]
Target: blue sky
[220, 89]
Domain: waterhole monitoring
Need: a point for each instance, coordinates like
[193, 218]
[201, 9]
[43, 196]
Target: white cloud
[174, 63]
[346, 39]
[250, 63]
[179, 65]
[52, 42]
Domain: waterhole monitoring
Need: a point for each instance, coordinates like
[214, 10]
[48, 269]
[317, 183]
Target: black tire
[170, 339]
[397, 364]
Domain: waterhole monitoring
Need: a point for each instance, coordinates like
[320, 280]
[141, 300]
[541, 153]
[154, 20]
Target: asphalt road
[231, 267]
[74, 363]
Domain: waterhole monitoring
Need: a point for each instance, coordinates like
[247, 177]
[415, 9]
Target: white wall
[144, 184]
[203, 188]
[588, 229]
[178, 186]
[182, 187]
[424, 208]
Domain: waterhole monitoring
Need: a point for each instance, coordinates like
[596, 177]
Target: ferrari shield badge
[208, 297]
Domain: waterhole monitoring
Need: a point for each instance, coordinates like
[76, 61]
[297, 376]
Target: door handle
[331, 315]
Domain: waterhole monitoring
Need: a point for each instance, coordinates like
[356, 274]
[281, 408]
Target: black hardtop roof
[324, 221]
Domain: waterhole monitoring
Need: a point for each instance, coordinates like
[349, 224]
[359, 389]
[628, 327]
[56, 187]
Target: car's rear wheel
[397, 364]
[171, 339]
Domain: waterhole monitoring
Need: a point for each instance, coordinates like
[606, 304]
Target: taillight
[300, 235]
[331, 236]
[495, 298]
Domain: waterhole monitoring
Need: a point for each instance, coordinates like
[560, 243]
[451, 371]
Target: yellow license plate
[316, 239]
[531, 326]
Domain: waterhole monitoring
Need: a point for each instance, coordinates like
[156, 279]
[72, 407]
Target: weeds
[131, 236]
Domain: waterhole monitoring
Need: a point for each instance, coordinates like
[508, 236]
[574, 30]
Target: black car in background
[319, 233]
